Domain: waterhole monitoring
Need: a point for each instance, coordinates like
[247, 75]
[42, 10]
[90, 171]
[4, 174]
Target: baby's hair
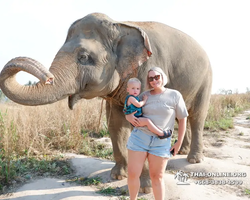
[132, 80]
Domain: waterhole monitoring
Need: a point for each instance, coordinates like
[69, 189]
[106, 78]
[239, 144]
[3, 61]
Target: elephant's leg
[196, 149]
[197, 119]
[185, 148]
[119, 130]
[145, 181]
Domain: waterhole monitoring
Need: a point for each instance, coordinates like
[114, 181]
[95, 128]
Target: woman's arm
[181, 132]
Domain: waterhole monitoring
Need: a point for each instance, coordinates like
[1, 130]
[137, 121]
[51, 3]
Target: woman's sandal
[166, 134]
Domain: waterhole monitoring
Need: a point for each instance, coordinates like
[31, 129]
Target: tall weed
[223, 108]
[27, 132]
[40, 129]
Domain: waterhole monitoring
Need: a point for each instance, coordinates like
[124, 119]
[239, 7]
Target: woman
[163, 106]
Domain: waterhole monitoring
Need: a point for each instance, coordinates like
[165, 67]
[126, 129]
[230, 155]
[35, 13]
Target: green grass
[96, 181]
[223, 108]
[108, 191]
[104, 132]
[123, 198]
[221, 124]
[86, 181]
[21, 169]
[95, 149]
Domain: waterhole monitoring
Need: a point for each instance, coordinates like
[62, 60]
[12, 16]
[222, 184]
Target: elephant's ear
[133, 49]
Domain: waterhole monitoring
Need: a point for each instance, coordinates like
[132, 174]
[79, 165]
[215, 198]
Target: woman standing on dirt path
[163, 106]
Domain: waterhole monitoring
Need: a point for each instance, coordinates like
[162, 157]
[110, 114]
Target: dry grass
[28, 130]
[35, 132]
[223, 108]
[39, 129]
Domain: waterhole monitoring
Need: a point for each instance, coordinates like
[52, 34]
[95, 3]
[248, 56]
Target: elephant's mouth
[72, 99]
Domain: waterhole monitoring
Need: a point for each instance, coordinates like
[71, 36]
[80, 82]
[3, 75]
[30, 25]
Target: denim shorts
[140, 141]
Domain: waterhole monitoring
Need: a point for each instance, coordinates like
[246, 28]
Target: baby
[133, 103]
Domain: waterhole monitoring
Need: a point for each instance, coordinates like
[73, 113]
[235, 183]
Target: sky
[38, 28]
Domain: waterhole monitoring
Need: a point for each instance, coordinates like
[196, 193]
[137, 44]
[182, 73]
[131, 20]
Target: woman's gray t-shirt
[163, 108]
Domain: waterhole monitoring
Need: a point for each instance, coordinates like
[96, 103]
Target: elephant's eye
[84, 58]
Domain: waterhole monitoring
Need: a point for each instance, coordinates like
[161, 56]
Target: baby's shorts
[140, 141]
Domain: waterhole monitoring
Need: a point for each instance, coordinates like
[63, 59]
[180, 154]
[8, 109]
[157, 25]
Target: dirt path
[226, 153]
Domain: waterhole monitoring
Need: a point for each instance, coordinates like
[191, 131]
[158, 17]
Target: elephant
[98, 57]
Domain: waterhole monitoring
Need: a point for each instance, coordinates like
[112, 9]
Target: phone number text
[219, 182]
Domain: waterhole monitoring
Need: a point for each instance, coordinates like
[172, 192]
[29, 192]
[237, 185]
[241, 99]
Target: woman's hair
[133, 80]
[163, 76]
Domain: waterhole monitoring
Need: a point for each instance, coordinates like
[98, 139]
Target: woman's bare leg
[157, 167]
[136, 161]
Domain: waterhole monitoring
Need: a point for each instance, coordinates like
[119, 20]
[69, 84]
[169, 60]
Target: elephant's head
[97, 55]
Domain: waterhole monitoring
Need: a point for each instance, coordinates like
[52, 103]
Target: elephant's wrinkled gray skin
[98, 57]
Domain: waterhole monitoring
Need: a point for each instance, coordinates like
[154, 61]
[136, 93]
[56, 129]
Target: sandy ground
[226, 153]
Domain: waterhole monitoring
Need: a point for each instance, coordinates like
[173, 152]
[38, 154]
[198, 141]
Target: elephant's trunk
[51, 87]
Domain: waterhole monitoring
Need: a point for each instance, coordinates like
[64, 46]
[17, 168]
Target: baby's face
[134, 88]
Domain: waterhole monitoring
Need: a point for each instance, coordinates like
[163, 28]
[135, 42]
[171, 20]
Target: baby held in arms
[134, 104]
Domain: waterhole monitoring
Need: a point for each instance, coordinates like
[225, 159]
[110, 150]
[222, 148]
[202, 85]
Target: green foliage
[123, 198]
[96, 150]
[108, 191]
[247, 191]
[86, 181]
[92, 181]
[104, 133]
[20, 169]
[223, 124]
[223, 108]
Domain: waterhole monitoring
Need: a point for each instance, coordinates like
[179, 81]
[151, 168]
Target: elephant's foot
[145, 182]
[195, 157]
[146, 190]
[118, 172]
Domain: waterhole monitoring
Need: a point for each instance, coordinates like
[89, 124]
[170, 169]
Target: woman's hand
[176, 147]
[181, 132]
[132, 119]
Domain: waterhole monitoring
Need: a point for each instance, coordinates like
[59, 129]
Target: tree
[223, 91]
[248, 90]
[30, 83]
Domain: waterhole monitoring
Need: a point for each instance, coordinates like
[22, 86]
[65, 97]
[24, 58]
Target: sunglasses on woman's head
[156, 77]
